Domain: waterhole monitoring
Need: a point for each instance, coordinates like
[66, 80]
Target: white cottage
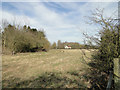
[67, 47]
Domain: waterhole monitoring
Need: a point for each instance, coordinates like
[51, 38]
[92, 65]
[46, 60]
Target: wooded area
[24, 39]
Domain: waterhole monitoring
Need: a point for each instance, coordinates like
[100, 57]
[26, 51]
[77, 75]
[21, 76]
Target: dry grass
[68, 65]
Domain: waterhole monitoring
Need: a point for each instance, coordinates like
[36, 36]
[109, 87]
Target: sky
[65, 21]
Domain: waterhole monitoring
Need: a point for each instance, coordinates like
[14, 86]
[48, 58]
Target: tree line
[24, 39]
[73, 45]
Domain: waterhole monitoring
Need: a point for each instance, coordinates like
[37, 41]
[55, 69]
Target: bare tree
[97, 17]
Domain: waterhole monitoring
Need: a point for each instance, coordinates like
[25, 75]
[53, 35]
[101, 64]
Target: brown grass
[29, 66]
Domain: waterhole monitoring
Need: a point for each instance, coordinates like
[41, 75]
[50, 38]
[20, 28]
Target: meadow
[57, 68]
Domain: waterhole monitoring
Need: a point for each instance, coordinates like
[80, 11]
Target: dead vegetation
[53, 69]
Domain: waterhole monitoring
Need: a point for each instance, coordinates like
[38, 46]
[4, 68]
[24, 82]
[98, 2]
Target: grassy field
[53, 69]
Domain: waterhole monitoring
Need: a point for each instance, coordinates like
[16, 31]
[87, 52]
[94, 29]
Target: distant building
[67, 47]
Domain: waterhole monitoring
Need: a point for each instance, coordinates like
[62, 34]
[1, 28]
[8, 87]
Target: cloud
[60, 20]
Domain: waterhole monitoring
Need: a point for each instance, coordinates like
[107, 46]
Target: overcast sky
[63, 21]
